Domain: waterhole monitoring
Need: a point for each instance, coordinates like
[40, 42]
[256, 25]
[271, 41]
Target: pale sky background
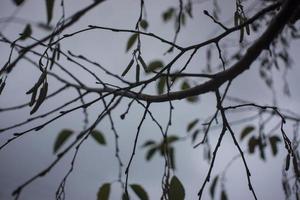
[96, 164]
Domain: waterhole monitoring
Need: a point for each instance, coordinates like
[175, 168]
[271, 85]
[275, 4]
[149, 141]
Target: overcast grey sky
[96, 164]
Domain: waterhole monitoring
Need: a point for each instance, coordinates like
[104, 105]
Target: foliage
[174, 76]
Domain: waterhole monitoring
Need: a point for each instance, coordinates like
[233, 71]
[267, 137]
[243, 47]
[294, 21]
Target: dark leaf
[171, 152]
[137, 73]
[241, 34]
[247, 29]
[287, 162]
[150, 153]
[44, 26]
[156, 64]
[143, 63]
[273, 141]
[295, 165]
[161, 85]
[183, 19]
[148, 143]
[38, 83]
[61, 139]
[261, 149]
[188, 9]
[52, 61]
[98, 137]
[103, 192]
[139, 191]
[49, 8]
[176, 191]
[192, 99]
[213, 185]
[144, 24]
[195, 134]
[223, 195]
[236, 18]
[26, 32]
[33, 96]
[185, 85]
[172, 138]
[131, 41]
[128, 67]
[58, 51]
[125, 196]
[2, 85]
[246, 131]
[41, 98]
[252, 143]
[18, 2]
[167, 15]
[192, 124]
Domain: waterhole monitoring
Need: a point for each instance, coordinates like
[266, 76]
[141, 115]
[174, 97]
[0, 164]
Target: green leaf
[213, 185]
[144, 24]
[148, 143]
[161, 85]
[195, 134]
[125, 196]
[185, 85]
[171, 152]
[261, 147]
[131, 41]
[183, 19]
[49, 8]
[139, 191]
[168, 14]
[153, 65]
[176, 191]
[98, 137]
[103, 192]
[192, 99]
[246, 131]
[273, 141]
[150, 153]
[61, 138]
[18, 2]
[172, 138]
[26, 32]
[223, 195]
[192, 124]
[253, 142]
[287, 162]
[128, 67]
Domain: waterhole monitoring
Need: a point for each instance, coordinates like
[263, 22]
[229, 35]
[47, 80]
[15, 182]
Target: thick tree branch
[262, 43]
